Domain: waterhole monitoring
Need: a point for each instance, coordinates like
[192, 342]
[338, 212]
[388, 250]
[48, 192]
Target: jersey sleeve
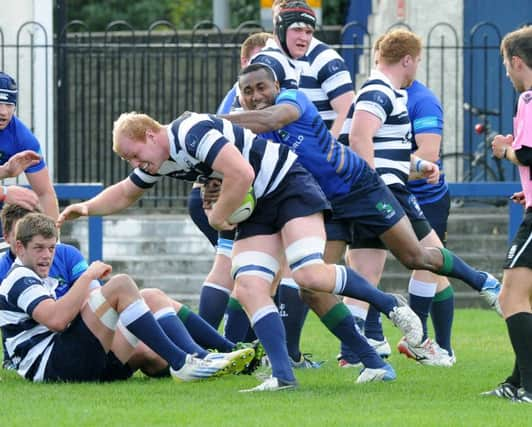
[292, 97]
[27, 292]
[428, 116]
[27, 141]
[202, 140]
[333, 75]
[523, 122]
[377, 101]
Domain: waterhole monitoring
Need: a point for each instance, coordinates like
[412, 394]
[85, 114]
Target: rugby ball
[245, 210]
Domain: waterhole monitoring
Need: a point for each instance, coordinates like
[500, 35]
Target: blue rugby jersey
[335, 166]
[324, 76]
[195, 141]
[392, 142]
[28, 343]
[16, 137]
[426, 115]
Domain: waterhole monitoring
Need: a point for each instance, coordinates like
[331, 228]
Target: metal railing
[164, 72]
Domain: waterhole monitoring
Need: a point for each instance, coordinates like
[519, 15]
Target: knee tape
[304, 252]
[130, 338]
[101, 308]
[255, 263]
[224, 247]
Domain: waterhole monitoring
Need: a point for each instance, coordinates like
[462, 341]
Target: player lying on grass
[69, 339]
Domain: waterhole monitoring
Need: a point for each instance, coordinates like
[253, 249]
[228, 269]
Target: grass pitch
[421, 395]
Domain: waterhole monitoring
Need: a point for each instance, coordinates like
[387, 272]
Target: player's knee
[309, 297]
[124, 283]
[253, 270]
[153, 296]
[303, 257]
[414, 258]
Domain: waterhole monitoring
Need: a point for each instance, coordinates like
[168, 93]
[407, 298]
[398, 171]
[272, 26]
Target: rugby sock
[420, 295]
[174, 329]
[212, 303]
[138, 320]
[442, 314]
[203, 333]
[454, 266]
[351, 284]
[293, 312]
[269, 329]
[341, 323]
[237, 321]
[359, 316]
[520, 330]
[373, 325]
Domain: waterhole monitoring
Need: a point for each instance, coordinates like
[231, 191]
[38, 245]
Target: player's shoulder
[317, 48]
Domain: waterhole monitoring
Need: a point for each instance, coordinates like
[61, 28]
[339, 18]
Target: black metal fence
[164, 72]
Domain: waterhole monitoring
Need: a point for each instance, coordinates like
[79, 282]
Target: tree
[184, 14]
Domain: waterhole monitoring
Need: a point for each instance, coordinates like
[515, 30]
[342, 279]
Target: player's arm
[113, 199]
[57, 314]
[42, 186]
[265, 120]
[428, 146]
[341, 105]
[238, 175]
[363, 128]
[18, 163]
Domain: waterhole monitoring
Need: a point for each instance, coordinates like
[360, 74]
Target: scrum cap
[8, 89]
[295, 14]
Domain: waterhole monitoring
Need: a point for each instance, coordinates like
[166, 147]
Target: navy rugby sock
[138, 319]
[453, 266]
[212, 303]
[373, 325]
[351, 284]
[293, 312]
[237, 322]
[174, 329]
[270, 331]
[442, 314]
[341, 323]
[203, 333]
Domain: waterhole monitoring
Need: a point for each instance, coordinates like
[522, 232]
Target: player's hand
[98, 270]
[500, 144]
[19, 163]
[21, 196]
[218, 224]
[518, 197]
[210, 192]
[430, 172]
[72, 212]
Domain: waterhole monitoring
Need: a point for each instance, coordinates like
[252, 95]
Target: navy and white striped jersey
[324, 76]
[28, 343]
[343, 137]
[392, 142]
[195, 141]
[285, 69]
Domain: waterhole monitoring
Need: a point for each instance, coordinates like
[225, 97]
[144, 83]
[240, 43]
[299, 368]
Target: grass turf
[421, 395]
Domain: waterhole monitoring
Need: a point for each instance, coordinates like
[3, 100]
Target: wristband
[419, 163]
[4, 193]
